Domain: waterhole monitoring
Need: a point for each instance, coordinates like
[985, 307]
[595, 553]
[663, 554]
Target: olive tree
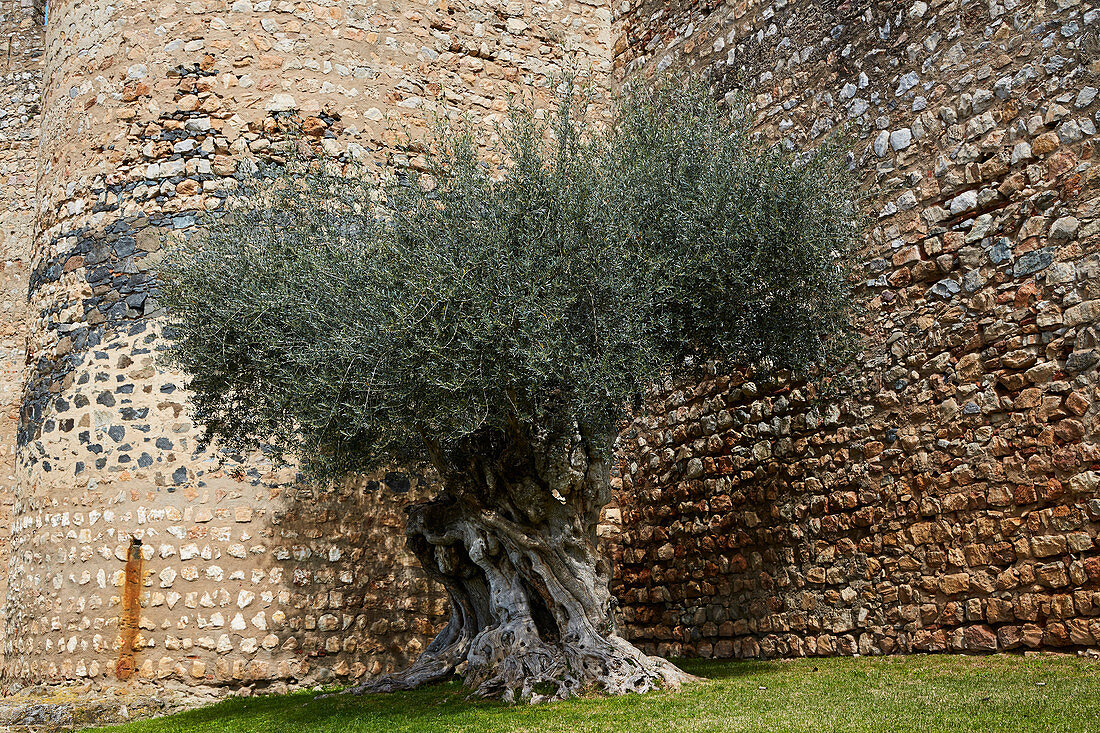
[496, 323]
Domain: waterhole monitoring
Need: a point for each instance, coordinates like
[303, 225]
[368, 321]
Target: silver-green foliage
[352, 325]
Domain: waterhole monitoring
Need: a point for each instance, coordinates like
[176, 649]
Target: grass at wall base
[914, 693]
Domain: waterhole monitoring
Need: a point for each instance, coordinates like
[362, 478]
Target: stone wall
[135, 556]
[20, 77]
[943, 497]
[946, 495]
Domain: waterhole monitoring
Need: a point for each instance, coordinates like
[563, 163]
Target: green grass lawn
[924, 693]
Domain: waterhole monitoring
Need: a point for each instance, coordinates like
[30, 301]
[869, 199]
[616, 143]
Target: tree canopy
[353, 323]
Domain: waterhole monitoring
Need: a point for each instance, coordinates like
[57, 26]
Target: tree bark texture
[512, 539]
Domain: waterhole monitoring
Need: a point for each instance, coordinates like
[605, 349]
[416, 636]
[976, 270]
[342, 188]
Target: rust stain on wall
[131, 613]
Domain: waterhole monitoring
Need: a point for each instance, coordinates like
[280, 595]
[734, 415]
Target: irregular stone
[881, 144]
[901, 139]
[1032, 262]
[1064, 229]
[281, 103]
[963, 202]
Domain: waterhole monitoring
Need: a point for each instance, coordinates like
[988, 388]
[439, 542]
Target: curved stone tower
[134, 556]
[20, 78]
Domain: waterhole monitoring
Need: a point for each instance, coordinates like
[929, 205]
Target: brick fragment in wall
[946, 500]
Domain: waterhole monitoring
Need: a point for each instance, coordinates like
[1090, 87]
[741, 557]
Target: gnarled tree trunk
[512, 538]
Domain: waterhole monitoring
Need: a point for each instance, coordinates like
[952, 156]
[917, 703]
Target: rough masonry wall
[948, 498]
[134, 555]
[20, 77]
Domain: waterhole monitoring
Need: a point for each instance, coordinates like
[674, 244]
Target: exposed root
[513, 541]
[538, 672]
[436, 664]
[610, 666]
[424, 671]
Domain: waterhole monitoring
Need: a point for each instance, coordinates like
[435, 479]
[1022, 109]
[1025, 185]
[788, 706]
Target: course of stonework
[943, 498]
[947, 496]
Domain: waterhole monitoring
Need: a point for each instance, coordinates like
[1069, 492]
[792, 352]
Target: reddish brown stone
[1092, 567]
[313, 126]
[1031, 636]
[1079, 632]
[1045, 143]
[1009, 637]
[998, 610]
[954, 583]
[134, 91]
[979, 638]
[901, 277]
[1070, 431]
[1076, 403]
[188, 187]
[1055, 634]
